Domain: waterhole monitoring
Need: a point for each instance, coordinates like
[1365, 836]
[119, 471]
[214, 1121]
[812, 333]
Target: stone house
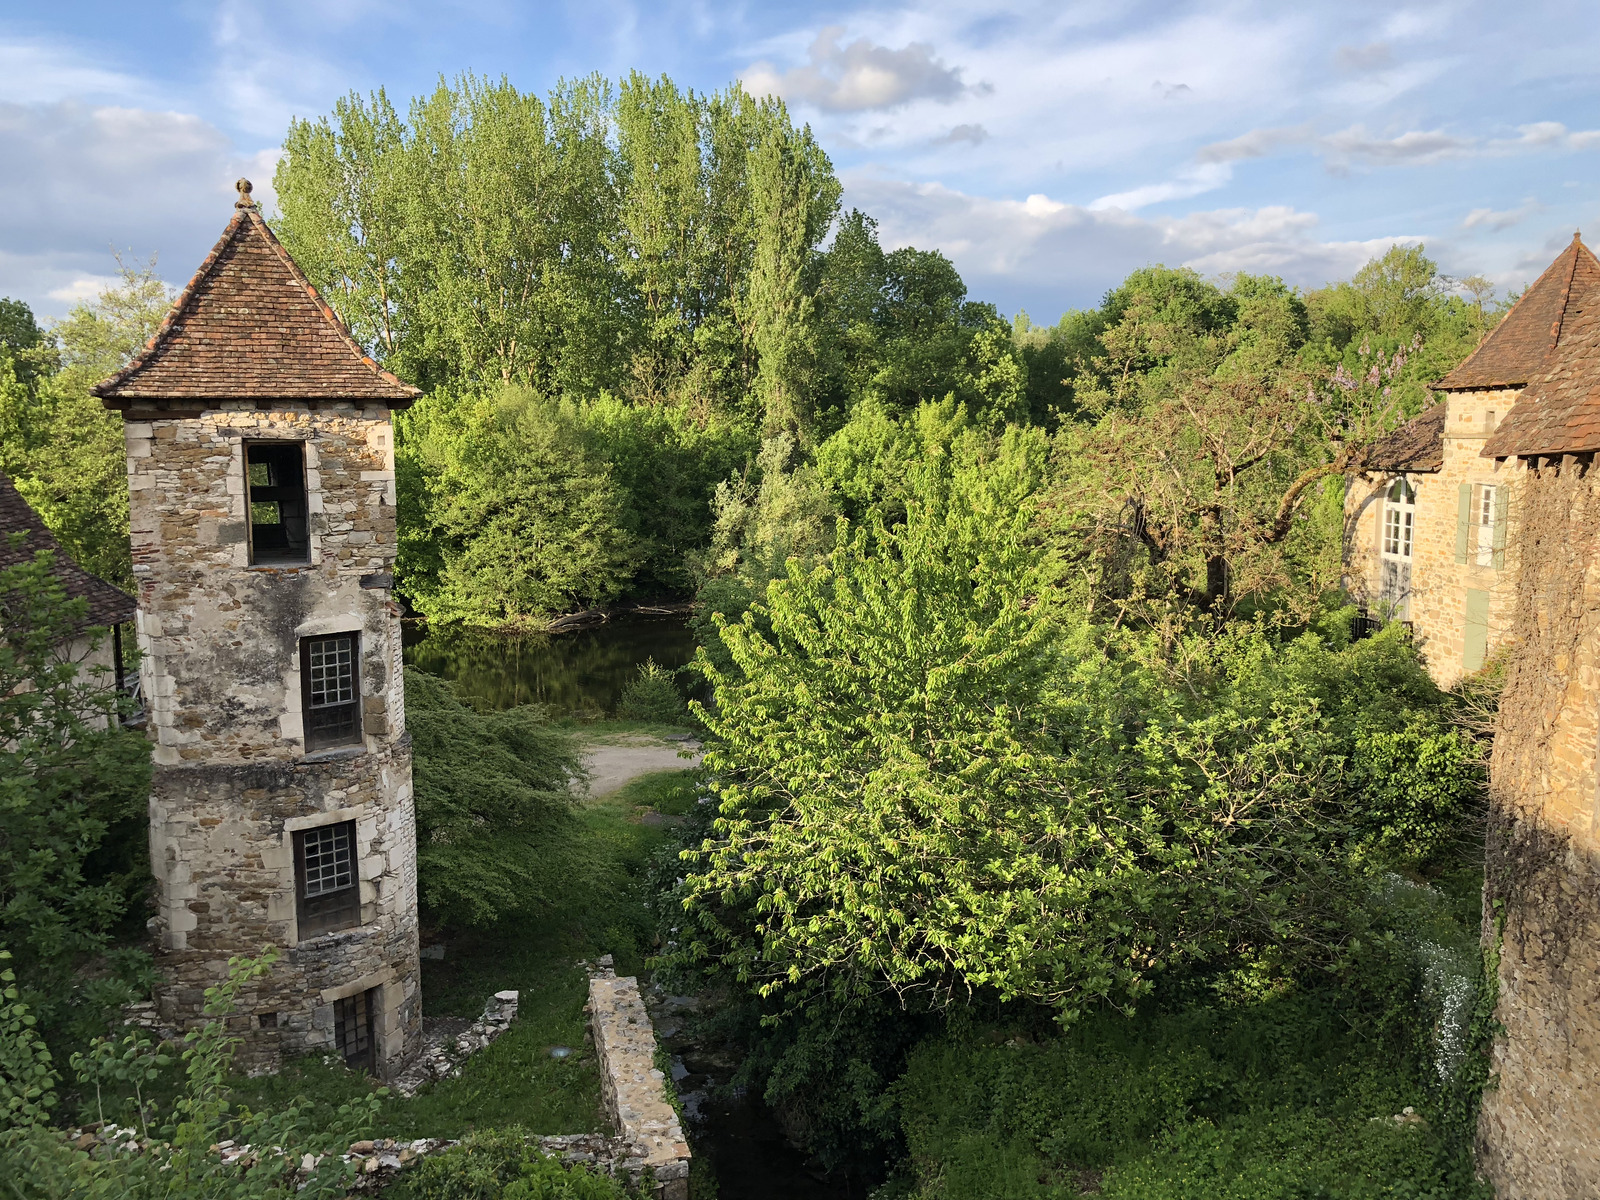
[108, 608]
[1539, 1133]
[261, 479]
[1428, 522]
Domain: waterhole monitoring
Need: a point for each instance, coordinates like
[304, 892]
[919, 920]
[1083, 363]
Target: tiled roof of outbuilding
[251, 327]
[1418, 445]
[107, 605]
[1559, 413]
[1514, 353]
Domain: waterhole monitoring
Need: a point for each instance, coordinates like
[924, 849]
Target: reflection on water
[581, 671]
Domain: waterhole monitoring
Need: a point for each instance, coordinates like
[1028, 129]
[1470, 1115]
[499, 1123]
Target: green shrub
[654, 697]
[496, 832]
[502, 1164]
[1281, 1100]
[73, 789]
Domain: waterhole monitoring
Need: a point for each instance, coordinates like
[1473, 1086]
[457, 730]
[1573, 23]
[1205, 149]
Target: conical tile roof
[251, 327]
[1515, 352]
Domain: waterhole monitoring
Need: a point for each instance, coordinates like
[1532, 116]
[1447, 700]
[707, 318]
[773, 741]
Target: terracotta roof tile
[1418, 445]
[1515, 351]
[251, 327]
[107, 605]
[1559, 413]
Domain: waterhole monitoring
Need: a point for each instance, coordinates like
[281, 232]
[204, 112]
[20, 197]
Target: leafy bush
[512, 515]
[496, 834]
[1289, 1098]
[172, 1154]
[502, 1164]
[653, 696]
[69, 775]
[925, 785]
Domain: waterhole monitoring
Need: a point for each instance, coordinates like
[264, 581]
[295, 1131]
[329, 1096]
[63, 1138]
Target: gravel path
[615, 766]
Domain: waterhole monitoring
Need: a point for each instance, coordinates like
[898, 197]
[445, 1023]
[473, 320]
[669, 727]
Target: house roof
[1559, 413]
[1514, 353]
[251, 327]
[1418, 445]
[107, 605]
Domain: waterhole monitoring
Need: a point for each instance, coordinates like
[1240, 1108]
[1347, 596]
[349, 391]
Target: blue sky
[1048, 149]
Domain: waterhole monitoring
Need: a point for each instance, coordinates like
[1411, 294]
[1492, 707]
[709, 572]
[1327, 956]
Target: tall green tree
[794, 197]
[58, 443]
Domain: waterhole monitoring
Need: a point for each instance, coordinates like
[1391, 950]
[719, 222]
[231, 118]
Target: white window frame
[1483, 523]
[1397, 530]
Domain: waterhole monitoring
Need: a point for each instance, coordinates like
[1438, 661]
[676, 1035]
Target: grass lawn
[516, 1081]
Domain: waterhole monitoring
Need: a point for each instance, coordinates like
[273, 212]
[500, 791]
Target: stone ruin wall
[1539, 1132]
[221, 676]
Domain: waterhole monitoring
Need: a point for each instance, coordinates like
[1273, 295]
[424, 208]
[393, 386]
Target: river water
[580, 673]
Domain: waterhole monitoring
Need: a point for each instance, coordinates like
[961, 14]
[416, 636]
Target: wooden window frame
[292, 498]
[355, 1029]
[326, 911]
[330, 726]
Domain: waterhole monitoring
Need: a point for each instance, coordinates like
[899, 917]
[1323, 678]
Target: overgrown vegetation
[1064, 839]
[73, 789]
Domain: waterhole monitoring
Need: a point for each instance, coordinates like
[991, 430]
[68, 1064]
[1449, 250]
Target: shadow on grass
[516, 1080]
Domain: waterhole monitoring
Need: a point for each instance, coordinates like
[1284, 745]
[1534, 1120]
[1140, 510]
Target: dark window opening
[352, 1029]
[275, 478]
[327, 882]
[330, 686]
[268, 1020]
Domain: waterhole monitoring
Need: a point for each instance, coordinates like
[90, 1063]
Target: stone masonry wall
[221, 677]
[1539, 1132]
[1439, 584]
[632, 1087]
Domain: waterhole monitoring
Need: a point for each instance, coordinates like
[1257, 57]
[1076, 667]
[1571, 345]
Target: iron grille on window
[332, 690]
[352, 1025]
[327, 884]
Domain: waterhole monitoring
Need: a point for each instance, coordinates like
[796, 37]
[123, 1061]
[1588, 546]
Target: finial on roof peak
[244, 200]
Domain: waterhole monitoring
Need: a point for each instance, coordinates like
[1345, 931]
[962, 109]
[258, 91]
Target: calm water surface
[583, 671]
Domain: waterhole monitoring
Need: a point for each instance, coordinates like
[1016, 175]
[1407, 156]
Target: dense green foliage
[496, 832]
[1281, 1098]
[73, 784]
[503, 1165]
[60, 446]
[653, 697]
[169, 1151]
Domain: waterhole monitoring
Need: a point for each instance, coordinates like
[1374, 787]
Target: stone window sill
[334, 754]
[333, 937]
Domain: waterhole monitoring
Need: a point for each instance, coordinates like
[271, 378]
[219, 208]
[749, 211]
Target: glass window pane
[333, 676]
[329, 860]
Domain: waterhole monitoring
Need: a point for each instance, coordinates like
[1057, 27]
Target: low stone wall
[442, 1057]
[632, 1088]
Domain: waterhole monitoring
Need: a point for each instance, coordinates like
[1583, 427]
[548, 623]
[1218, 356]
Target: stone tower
[261, 480]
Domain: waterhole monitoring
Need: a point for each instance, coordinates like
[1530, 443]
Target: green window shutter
[1463, 516]
[1498, 559]
[1475, 642]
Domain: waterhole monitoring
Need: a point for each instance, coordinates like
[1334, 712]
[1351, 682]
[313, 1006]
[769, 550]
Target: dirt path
[612, 767]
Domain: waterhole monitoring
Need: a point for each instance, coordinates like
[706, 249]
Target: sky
[1048, 149]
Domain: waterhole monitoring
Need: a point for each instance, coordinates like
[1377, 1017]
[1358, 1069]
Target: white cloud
[41, 72]
[82, 288]
[1374, 56]
[1190, 181]
[1044, 247]
[1410, 148]
[83, 182]
[859, 76]
[1491, 221]
[974, 135]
